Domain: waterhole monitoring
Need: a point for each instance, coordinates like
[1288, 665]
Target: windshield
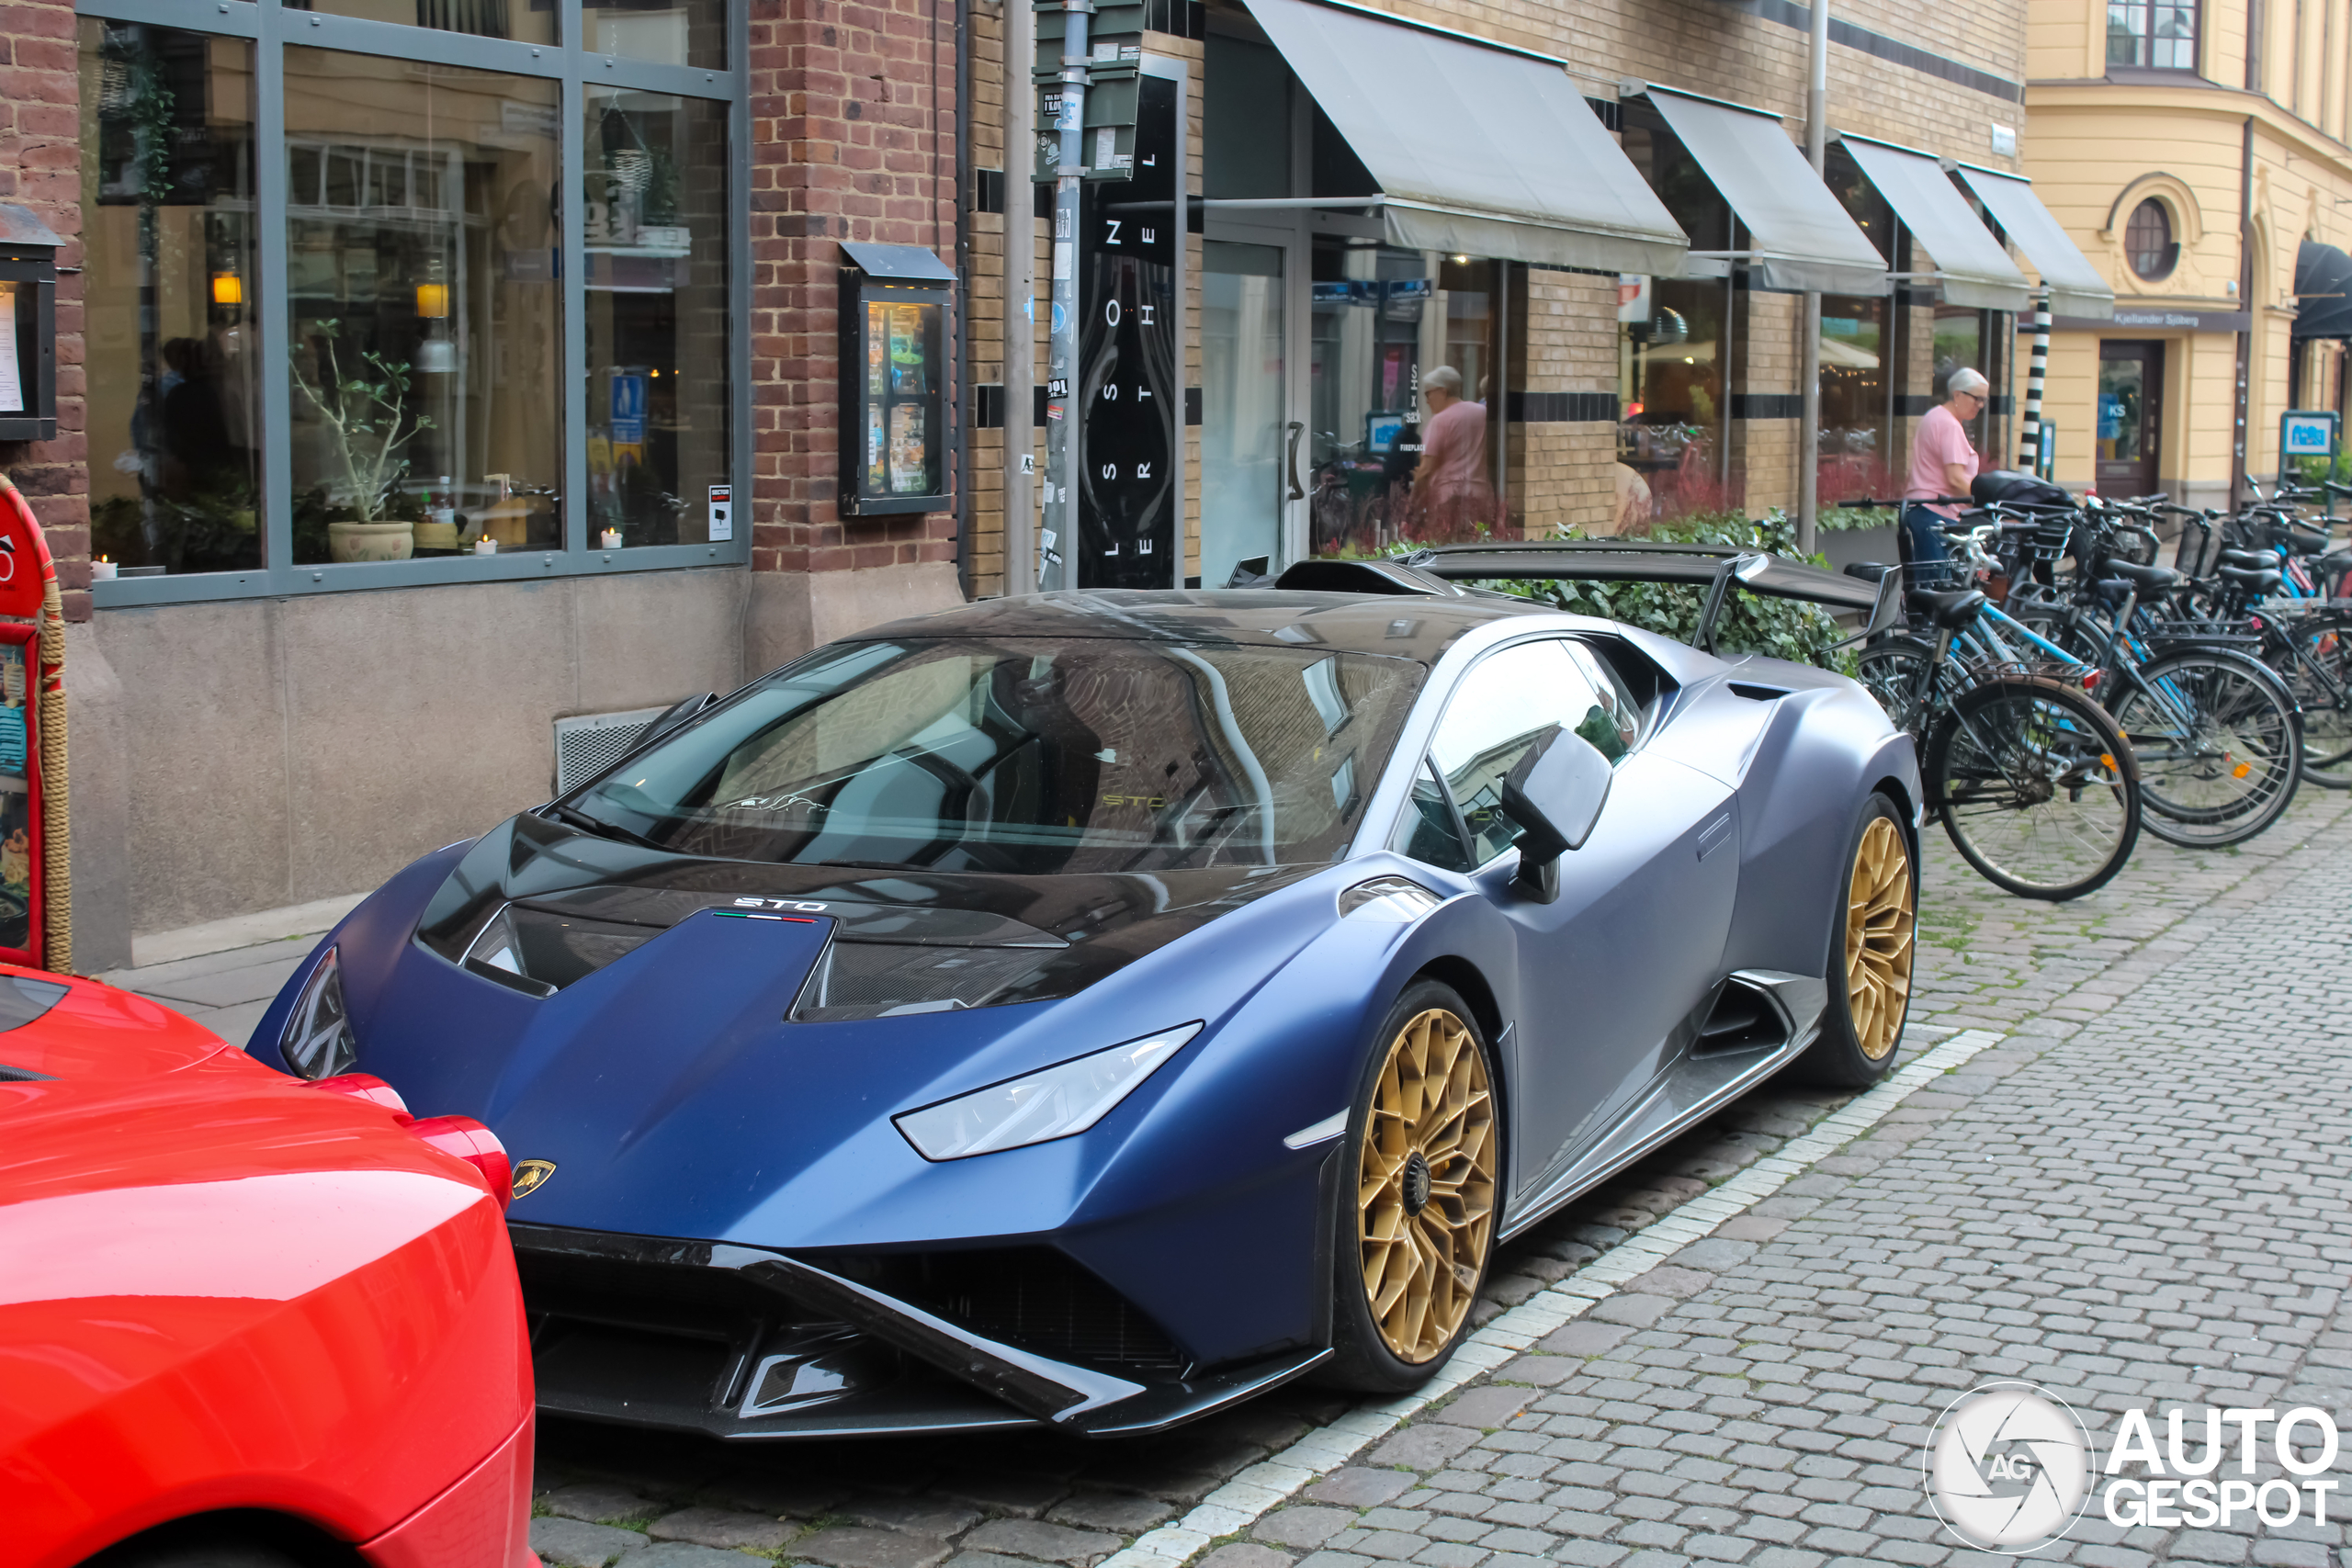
[1026, 757]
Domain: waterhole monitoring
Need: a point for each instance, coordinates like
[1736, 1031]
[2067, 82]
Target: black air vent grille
[1039, 1299]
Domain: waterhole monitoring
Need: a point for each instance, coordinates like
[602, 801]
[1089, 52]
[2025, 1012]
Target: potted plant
[367, 426]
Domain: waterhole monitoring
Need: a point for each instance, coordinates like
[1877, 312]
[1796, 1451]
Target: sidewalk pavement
[2131, 1190]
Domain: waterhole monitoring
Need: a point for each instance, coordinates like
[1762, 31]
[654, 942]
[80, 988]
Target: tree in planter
[367, 419]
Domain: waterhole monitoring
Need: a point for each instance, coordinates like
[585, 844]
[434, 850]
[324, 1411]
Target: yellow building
[2194, 152]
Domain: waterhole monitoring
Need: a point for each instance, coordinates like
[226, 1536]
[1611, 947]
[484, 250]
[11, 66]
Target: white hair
[1969, 381]
[1445, 377]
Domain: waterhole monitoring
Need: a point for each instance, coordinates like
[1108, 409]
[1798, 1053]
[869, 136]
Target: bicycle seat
[1867, 571]
[1952, 610]
[2255, 579]
[2147, 579]
[2248, 560]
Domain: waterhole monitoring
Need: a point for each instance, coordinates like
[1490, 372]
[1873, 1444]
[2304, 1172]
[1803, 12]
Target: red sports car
[244, 1324]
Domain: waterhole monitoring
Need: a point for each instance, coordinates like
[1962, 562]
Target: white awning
[2076, 287]
[1971, 266]
[1800, 240]
[1478, 150]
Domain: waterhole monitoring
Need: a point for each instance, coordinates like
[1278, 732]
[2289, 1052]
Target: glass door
[1249, 443]
[2130, 384]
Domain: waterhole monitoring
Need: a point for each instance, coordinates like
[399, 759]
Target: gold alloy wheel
[1879, 927]
[1425, 1192]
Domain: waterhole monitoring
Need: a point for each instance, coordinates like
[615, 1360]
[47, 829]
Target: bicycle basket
[2137, 546]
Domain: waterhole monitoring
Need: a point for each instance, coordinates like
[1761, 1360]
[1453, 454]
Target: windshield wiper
[574, 817]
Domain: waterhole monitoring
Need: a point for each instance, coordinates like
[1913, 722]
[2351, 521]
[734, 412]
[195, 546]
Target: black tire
[1874, 922]
[192, 1547]
[1464, 1189]
[1890, 669]
[2218, 744]
[2035, 786]
[2326, 702]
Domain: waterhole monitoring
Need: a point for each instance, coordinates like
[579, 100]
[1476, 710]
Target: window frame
[272, 26]
[2171, 263]
[2147, 12]
[1425, 762]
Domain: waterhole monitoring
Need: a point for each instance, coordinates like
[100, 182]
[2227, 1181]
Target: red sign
[24, 559]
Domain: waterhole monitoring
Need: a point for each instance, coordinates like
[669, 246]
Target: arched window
[2148, 243]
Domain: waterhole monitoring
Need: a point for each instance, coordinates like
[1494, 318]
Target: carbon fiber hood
[537, 906]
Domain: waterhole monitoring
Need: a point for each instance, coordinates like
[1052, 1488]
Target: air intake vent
[589, 744]
[1033, 1297]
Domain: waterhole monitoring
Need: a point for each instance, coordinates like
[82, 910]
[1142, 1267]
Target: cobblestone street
[2129, 1189]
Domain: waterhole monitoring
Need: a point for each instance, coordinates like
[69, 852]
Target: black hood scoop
[537, 906]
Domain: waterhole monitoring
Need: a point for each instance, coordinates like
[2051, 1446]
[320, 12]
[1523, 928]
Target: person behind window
[1451, 491]
[1943, 462]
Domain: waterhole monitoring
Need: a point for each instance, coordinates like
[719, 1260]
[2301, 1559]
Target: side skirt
[1692, 1088]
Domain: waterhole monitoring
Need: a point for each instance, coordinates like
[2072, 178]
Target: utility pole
[1060, 537]
[1817, 147]
[1020, 306]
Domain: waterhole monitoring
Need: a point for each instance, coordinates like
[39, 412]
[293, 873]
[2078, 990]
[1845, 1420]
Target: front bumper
[744, 1342]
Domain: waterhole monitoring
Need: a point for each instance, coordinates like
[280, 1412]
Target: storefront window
[1963, 342]
[655, 210]
[667, 33]
[423, 314]
[1384, 321]
[1671, 400]
[1855, 454]
[169, 286]
[525, 21]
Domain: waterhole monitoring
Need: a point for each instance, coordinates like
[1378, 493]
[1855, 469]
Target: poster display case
[896, 302]
[28, 326]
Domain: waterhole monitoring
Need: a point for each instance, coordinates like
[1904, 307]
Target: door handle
[1296, 430]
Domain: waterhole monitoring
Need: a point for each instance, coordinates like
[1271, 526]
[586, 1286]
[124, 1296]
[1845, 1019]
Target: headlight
[318, 1041]
[1042, 1106]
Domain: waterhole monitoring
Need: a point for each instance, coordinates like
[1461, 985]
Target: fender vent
[588, 744]
[1743, 1019]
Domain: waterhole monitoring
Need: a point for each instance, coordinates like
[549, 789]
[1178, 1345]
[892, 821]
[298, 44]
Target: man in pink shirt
[1942, 463]
[1451, 490]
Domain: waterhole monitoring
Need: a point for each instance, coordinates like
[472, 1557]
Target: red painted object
[233, 1297]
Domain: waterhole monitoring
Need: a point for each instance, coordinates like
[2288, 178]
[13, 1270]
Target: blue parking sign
[628, 408]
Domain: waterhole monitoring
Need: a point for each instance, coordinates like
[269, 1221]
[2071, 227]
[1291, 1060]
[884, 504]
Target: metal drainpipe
[1817, 147]
[963, 447]
[1062, 413]
[1020, 375]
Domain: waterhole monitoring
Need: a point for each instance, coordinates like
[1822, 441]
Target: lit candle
[485, 547]
[102, 570]
[612, 538]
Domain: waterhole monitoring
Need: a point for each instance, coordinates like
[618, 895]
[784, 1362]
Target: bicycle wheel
[1891, 671]
[2322, 680]
[2218, 745]
[2036, 789]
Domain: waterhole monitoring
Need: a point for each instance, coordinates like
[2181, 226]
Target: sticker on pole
[722, 514]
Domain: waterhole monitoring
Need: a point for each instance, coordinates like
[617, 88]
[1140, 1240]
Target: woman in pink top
[1942, 463]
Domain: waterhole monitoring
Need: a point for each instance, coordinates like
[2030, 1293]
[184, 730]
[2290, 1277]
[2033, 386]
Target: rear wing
[1875, 605]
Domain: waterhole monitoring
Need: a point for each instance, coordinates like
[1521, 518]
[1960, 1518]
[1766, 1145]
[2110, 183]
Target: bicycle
[2032, 782]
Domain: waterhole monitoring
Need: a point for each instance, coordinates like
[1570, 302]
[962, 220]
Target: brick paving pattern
[2133, 1200]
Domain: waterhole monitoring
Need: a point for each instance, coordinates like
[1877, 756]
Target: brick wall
[40, 169]
[853, 138]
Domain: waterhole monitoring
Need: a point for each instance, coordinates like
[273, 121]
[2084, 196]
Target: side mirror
[1555, 793]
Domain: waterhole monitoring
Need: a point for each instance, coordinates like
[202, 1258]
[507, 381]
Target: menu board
[12, 383]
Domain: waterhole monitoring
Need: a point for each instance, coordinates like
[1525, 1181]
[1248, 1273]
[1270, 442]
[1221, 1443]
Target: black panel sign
[1130, 390]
